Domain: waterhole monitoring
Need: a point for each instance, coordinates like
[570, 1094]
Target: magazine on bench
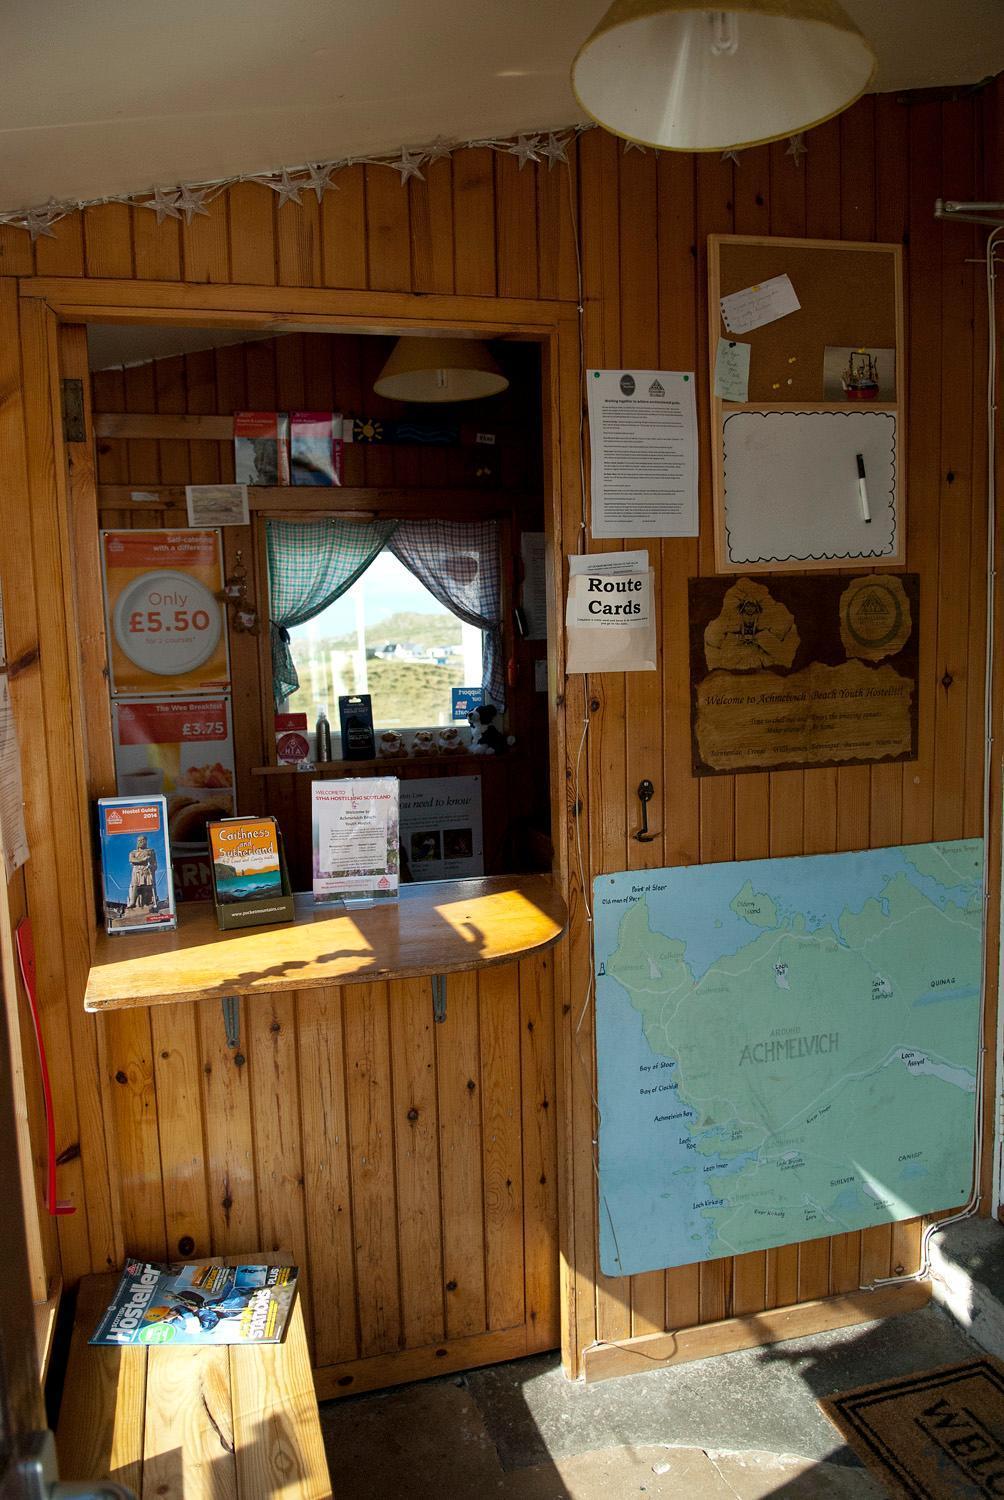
[198, 1303]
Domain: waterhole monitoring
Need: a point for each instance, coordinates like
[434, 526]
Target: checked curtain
[312, 563]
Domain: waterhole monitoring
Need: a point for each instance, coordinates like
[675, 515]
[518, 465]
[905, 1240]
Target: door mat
[934, 1436]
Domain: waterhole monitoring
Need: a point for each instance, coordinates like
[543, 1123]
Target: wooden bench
[224, 1423]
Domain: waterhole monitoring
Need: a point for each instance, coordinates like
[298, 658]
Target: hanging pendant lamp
[685, 77]
[431, 370]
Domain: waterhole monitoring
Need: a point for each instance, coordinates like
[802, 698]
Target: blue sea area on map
[619, 1035]
[713, 931]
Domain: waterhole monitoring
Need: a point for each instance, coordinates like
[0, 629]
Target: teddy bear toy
[424, 743]
[449, 739]
[489, 738]
[390, 743]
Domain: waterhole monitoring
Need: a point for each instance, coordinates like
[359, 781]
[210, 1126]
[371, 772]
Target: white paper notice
[643, 436]
[757, 305]
[608, 562]
[732, 370]
[217, 504]
[531, 546]
[15, 842]
[610, 624]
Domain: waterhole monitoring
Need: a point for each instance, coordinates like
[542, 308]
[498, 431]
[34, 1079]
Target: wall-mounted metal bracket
[439, 997]
[232, 1020]
[646, 791]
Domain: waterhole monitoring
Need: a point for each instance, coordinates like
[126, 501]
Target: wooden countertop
[437, 927]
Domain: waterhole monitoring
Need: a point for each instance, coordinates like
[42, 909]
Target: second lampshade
[433, 370]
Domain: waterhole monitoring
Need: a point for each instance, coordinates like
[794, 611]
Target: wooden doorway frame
[33, 312]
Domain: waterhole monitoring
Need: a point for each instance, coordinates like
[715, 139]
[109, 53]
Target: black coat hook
[646, 791]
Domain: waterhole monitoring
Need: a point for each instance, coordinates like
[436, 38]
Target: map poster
[786, 1049]
[166, 624]
[789, 672]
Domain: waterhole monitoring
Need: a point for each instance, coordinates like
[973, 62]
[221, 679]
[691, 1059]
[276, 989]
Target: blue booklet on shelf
[137, 890]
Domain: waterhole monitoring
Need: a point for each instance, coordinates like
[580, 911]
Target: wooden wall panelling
[958, 502]
[252, 235]
[605, 746]
[29, 1106]
[388, 238]
[227, 1133]
[62, 254]
[343, 231]
[131, 1103]
[416, 1160]
[540, 1151]
[431, 218]
[108, 240]
[515, 227]
[177, 1083]
[269, 1035]
[298, 239]
[474, 222]
[31, 554]
[501, 1130]
[205, 243]
[459, 1083]
[156, 247]
[643, 691]
[371, 1143]
[326, 1175]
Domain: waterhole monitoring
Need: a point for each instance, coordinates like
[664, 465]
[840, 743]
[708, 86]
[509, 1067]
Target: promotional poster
[165, 622]
[183, 748]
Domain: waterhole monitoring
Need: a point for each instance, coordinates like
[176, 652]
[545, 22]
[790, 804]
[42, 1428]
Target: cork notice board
[785, 491]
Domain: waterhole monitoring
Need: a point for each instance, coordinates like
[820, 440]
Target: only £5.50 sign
[165, 622]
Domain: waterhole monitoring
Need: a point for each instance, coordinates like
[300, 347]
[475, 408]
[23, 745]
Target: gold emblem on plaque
[874, 617]
[752, 631]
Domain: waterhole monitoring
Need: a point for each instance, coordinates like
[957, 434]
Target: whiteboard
[790, 486]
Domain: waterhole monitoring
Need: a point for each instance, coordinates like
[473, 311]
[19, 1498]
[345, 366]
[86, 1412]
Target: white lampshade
[686, 77]
[422, 369]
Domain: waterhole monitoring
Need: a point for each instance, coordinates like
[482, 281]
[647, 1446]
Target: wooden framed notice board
[823, 408]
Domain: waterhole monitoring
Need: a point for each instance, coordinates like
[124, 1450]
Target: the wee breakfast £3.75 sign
[165, 623]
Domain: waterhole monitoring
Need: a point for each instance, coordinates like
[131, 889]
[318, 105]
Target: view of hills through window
[386, 636]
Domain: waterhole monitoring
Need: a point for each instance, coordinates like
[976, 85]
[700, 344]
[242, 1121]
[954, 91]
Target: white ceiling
[114, 96]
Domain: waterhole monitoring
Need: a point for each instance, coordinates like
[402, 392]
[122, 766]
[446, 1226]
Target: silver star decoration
[440, 150]
[409, 165]
[731, 155]
[526, 149]
[553, 150]
[634, 146]
[40, 220]
[319, 180]
[285, 189]
[191, 202]
[797, 148]
[164, 205]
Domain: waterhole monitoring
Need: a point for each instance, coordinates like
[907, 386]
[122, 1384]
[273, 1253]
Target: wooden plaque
[790, 672]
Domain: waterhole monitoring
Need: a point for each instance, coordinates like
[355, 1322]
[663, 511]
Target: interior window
[389, 637]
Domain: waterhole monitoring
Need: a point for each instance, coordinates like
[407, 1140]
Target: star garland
[188, 200]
